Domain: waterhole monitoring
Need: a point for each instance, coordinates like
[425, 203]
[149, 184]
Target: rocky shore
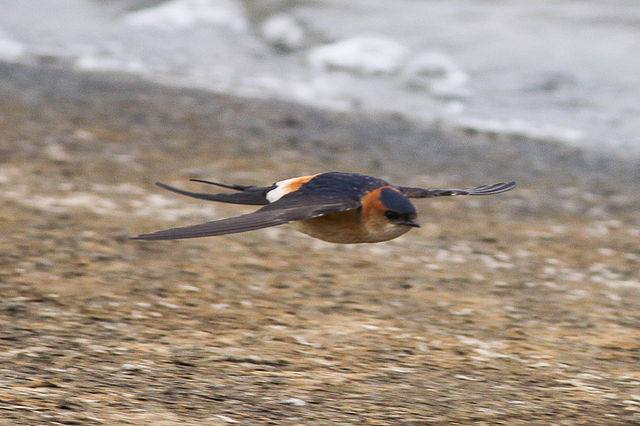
[523, 307]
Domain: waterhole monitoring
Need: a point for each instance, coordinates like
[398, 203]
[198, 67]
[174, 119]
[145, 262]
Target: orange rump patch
[296, 183]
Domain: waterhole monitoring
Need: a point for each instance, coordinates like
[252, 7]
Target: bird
[337, 207]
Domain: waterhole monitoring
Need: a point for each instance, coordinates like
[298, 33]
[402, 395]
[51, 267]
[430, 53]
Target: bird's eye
[391, 214]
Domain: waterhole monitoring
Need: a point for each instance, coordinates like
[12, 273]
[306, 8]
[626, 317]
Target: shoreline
[410, 135]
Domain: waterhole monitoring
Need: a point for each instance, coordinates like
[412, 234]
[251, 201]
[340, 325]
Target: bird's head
[397, 208]
[389, 207]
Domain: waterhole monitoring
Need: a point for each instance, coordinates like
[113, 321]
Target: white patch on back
[281, 189]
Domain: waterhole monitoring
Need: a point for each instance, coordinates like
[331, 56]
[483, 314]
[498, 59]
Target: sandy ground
[522, 307]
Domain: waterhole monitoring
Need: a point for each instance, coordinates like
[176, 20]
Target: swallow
[337, 207]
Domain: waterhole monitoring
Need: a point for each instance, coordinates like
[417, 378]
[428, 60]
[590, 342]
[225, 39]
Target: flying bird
[337, 207]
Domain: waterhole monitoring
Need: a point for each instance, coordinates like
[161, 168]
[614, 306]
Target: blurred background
[518, 308]
[565, 72]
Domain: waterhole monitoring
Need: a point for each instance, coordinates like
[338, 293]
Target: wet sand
[523, 307]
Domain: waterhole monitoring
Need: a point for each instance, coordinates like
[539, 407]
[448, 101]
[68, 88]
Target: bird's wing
[292, 209]
[251, 195]
[478, 190]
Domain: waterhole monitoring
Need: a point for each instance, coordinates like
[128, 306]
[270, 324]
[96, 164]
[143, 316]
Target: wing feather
[266, 217]
[496, 188]
[250, 195]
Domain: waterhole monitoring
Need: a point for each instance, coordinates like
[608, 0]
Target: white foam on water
[180, 14]
[283, 32]
[436, 73]
[334, 91]
[97, 62]
[521, 128]
[361, 55]
[10, 50]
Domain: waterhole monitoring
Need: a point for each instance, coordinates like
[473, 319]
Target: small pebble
[293, 401]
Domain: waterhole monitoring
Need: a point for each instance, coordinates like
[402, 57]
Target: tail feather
[255, 196]
[224, 185]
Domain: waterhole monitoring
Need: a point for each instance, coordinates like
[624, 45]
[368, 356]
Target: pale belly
[344, 228]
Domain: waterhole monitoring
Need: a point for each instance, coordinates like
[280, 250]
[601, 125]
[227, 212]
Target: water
[563, 70]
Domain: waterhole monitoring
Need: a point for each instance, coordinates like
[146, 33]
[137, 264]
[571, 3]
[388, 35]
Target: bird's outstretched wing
[252, 195]
[288, 209]
[478, 190]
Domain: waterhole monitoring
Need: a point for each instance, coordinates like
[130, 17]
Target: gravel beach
[521, 307]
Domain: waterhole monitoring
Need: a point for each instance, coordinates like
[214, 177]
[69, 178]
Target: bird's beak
[410, 223]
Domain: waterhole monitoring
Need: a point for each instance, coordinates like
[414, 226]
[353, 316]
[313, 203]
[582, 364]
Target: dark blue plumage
[331, 187]
[395, 201]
